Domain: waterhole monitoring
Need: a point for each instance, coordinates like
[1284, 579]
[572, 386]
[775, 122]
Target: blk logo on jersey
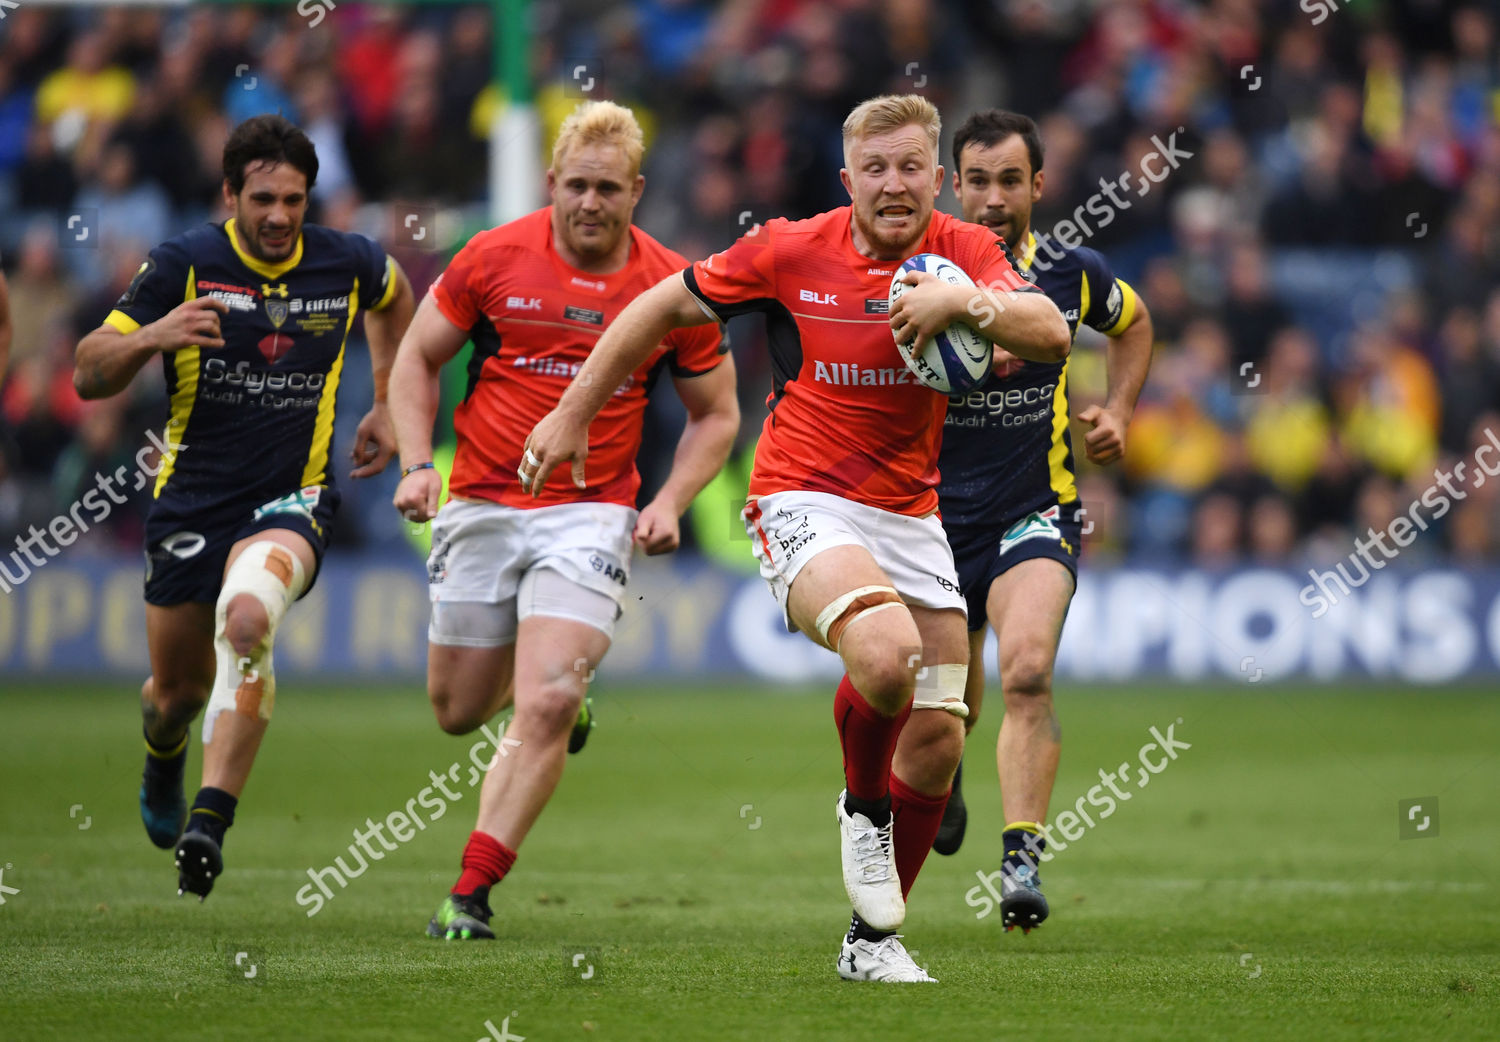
[812, 296]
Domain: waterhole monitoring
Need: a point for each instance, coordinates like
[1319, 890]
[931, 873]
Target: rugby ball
[955, 360]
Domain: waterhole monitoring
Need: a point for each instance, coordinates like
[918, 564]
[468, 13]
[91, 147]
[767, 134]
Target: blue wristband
[419, 466]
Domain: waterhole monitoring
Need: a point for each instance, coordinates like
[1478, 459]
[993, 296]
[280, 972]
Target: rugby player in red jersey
[526, 583]
[843, 500]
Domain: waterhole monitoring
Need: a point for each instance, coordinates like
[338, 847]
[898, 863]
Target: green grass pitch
[684, 882]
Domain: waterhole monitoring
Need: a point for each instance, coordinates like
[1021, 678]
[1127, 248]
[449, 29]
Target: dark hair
[992, 126]
[272, 139]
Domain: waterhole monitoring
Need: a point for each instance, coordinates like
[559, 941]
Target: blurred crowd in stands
[1323, 271]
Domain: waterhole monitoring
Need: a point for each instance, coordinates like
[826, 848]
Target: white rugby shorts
[788, 529]
[493, 565]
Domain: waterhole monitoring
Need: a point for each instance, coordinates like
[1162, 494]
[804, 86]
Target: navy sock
[878, 811]
[166, 759]
[212, 813]
[1024, 847]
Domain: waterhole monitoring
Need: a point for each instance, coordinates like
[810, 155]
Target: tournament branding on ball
[955, 360]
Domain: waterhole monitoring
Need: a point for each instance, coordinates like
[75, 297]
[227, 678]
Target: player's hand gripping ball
[957, 359]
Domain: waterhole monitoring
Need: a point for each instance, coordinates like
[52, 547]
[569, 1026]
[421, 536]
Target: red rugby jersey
[534, 318]
[847, 416]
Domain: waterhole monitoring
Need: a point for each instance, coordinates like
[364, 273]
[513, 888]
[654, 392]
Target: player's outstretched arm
[713, 420]
[430, 342]
[1024, 322]
[1127, 361]
[374, 441]
[563, 434]
[107, 359]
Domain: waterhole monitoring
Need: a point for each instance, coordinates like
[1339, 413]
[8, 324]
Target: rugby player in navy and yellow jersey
[1009, 503]
[250, 319]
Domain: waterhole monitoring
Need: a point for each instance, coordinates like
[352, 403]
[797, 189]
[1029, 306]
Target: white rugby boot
[883, 960]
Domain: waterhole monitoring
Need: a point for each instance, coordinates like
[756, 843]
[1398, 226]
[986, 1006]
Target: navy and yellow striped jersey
[254, 418]
[1006, 447]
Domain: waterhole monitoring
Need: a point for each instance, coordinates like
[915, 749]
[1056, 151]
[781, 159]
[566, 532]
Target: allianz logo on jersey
[812, 296]
[851, 374]
[558, 367]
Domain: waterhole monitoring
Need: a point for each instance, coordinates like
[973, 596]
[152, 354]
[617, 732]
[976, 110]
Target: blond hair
[601, 123]
[890, 112]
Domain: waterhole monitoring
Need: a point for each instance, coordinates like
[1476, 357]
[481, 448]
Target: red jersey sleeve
[694, 350]
[739, 279]
[457, 290]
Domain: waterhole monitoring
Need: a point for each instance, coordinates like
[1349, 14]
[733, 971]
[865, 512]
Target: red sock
[485, 861]
[916, 819]
[868, 740]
